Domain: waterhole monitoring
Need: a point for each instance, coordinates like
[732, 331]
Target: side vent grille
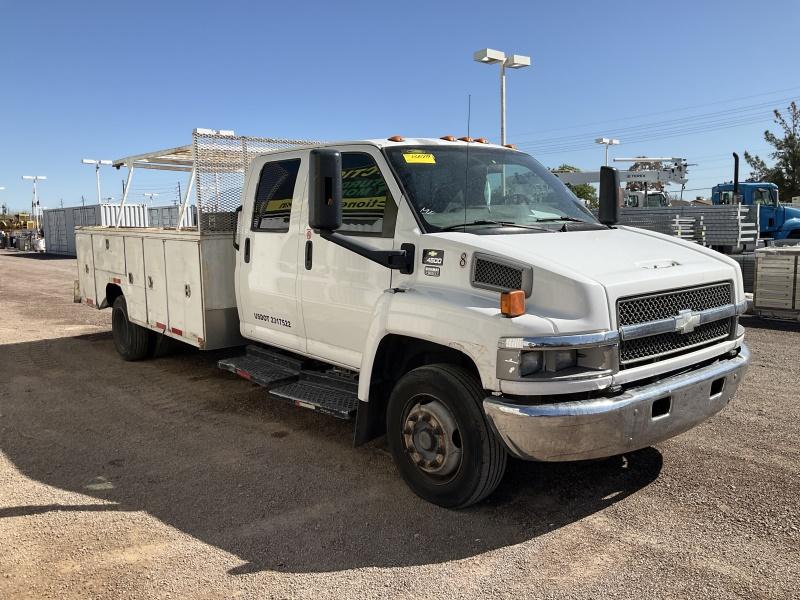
[500, 275]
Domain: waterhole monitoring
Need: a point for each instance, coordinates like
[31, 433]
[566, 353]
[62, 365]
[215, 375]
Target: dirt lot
[172, 479]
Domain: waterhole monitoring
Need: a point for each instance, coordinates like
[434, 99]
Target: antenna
[466, 164]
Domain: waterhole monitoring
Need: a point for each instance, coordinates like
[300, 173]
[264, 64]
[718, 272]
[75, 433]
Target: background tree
[785, 172]
[584, 191]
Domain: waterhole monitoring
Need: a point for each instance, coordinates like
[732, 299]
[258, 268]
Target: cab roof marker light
[512, 146]
[397, 138]
[482, 140]
[466, 139]
[448, 138]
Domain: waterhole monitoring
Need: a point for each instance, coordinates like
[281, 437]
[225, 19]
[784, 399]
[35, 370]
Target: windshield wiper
[570, 219]
[490, 222]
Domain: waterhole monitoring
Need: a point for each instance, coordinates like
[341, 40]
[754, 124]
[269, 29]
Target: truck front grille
[664, 305]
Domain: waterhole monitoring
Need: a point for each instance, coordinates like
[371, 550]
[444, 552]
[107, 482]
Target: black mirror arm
[401, 260]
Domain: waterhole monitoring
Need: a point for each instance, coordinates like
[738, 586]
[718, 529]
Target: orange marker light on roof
[397, 138]
[482, 140]
[448, 138]
[466, 139]
[512, 304]
[512, 146]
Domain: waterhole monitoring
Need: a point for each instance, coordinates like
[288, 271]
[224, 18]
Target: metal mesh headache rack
[217, 163]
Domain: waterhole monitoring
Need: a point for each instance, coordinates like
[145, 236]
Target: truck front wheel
[132, 341]
[440, 439]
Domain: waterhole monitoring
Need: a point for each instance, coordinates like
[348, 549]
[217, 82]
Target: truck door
[768, 210]
[267, 262]
[339, 289]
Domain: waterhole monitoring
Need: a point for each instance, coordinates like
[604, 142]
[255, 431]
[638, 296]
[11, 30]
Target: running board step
[283, 376]
[322, 393]
[263, 367]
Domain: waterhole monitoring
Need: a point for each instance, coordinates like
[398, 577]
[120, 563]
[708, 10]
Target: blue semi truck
[777, 221]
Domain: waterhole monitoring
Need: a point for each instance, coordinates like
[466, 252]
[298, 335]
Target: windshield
[497, 186]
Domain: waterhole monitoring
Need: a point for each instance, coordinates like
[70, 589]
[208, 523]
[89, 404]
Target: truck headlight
[526, 359]
[530, 363]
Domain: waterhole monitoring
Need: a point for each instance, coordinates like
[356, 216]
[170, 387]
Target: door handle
[309, 254]
[236, 233]
[247, 250]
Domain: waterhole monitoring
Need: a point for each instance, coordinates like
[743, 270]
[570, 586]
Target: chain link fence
[221, 163]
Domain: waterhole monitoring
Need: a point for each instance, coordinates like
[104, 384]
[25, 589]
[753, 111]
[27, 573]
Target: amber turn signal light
[512, 304]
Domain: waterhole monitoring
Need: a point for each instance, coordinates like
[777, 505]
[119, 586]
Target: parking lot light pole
[513, 61]
[96, 163]
[607, 142]
[35, 200]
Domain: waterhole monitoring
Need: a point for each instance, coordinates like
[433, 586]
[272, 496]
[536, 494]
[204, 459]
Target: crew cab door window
[272, 208]
[367, 204]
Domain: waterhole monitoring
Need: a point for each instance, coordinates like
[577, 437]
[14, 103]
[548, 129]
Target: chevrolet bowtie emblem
[686, 321]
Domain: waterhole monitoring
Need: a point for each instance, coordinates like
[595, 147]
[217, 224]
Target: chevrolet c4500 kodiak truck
[451, 294]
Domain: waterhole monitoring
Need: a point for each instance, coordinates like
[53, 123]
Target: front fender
[466, 322]
[787, 228]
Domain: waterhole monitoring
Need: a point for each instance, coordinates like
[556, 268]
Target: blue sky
[106, 80]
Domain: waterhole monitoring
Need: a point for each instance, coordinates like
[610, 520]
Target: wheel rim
[432, 438]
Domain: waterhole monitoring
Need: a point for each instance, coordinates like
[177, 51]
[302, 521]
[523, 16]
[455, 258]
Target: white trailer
[452, 295]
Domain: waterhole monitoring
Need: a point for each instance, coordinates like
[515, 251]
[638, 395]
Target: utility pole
[35, 200]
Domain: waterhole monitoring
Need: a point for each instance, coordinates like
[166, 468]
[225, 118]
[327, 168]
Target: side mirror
[609, 196]
[325, 190]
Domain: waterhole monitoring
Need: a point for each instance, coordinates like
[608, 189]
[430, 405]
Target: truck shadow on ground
[751, 322]
[279, 487]
[35, 255]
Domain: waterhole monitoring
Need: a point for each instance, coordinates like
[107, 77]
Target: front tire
[440, 439]
[132, 341]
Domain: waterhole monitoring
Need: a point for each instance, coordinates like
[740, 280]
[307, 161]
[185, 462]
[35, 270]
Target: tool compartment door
[134, 282]
[109, 253]
[155, 283]
[83, 243]
[184, 293]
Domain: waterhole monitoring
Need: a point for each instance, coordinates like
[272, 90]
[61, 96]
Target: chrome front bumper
[601, 427]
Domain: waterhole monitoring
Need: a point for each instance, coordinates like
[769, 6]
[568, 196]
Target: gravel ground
[172, 479]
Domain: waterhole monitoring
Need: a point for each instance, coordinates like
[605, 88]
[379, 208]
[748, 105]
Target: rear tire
[132, 341]
[440, 440]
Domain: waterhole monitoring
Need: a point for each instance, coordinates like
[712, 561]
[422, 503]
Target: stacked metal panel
[59, 223]
[777, 293]
[734, 226]
[747, 263]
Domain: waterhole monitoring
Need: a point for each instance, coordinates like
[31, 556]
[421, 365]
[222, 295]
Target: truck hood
[574, 272]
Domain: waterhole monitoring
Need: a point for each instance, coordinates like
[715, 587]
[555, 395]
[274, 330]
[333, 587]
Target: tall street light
[607, 142]
[35, 201]
[513, 61]
[96, 163]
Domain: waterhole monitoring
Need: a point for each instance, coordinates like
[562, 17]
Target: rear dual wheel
[440, 440]
[132, 341]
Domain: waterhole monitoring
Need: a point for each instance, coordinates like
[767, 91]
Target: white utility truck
[452, 294]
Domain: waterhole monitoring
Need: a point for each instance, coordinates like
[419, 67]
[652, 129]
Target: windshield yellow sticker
[420, 158]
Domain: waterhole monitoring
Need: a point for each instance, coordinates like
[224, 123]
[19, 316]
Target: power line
[688, 121]
[659, 134]
[661, 112]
